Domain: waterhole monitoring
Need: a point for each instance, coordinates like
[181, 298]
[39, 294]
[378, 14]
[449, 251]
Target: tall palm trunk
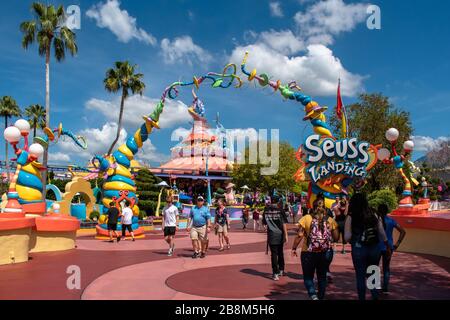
[47, 118]
[35, 121]
[119, 127]
[6, 151]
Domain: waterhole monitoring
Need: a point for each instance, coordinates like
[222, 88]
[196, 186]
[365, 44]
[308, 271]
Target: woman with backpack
[319, 230]
[364, 230]
[389, 225]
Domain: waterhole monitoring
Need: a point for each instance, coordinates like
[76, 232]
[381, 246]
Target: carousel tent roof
[196, 164]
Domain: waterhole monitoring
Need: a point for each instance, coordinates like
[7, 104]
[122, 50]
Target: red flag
[340, 112]
[339, 104]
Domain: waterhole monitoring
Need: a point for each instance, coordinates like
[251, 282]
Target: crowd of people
[369, 233]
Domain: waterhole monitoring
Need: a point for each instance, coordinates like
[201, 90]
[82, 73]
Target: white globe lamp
[408, 146]
[36, 150]
[23, 126]
[12, 135]
[383, 154]
[392, 135]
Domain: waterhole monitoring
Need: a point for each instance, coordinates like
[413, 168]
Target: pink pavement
[141, 270]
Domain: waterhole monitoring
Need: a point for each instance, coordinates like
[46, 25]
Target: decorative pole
[398, 161]
[208, 198]
[24, 156]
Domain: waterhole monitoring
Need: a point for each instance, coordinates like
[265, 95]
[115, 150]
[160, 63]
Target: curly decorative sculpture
[329, 174]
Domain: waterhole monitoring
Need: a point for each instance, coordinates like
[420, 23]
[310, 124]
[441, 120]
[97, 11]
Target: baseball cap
[200, 198]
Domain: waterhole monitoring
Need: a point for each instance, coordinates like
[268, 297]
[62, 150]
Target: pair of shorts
[341, 226]
[199, 233]
[169, 231]
[223, 229]
[126, 227]
[112, 226]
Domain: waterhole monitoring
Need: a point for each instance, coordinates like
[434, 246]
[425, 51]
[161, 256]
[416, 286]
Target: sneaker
[275, 277]
[343, 251]
[118, 239]
[195, 255]
[221, 249]
[170, 252]
[314, 297]
[202, 255]
[281, 273]
[134, 239]
[228, 246]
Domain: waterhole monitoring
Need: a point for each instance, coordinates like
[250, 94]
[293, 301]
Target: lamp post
[208, 196]
[26, 155]
[398, 161]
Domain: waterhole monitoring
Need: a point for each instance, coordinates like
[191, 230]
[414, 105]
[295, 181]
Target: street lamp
[398, 161]
[28, 154]
[208, 196]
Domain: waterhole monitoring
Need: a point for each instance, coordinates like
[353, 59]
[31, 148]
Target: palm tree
[48, 29]
[122, 77]
[36, 117]
[8, 109]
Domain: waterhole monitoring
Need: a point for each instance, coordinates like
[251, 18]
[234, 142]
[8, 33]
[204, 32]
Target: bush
[142, 215]
[94, 215]
[148, 206]
[385, 196]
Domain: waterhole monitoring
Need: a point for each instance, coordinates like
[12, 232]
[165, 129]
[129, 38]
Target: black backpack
[369, 234]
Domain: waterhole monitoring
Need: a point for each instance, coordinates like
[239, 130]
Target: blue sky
[313, 42]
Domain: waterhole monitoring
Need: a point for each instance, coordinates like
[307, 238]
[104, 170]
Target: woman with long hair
[364, 230]
[222, 225]
[319, 230]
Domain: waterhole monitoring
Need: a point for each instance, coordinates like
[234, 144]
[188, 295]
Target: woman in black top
[222, 225]
[364, 230]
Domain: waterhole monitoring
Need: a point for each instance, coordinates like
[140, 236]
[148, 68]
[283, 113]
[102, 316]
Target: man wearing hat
[275, 221]
[199, 225]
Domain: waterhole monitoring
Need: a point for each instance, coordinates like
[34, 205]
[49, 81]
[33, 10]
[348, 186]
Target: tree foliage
[368, 120]
[385, 196]
[283, 180]
[147, 190]
[123, 77]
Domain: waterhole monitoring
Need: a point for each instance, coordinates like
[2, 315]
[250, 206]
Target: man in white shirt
[127, 220]
[170, 223]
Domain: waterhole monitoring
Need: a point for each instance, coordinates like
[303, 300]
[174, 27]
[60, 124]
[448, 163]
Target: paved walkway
[142, 270]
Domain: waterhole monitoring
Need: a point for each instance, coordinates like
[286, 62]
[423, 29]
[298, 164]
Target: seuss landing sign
[329, 157]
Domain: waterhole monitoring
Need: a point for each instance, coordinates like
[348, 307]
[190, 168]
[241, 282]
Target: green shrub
[94, 215]
[385, 196]
[142, 215]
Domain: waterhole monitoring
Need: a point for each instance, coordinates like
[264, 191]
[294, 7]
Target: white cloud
[109, 15]
[426, 144]
[317, 72]
[179, 134]
[175, 111]
[282, 41]
[149, 153]
[98, 140]
[275, 9]
[183, 50]
[58, 157]
[325, 19]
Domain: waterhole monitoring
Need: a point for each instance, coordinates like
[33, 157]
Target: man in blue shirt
[199, 225]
